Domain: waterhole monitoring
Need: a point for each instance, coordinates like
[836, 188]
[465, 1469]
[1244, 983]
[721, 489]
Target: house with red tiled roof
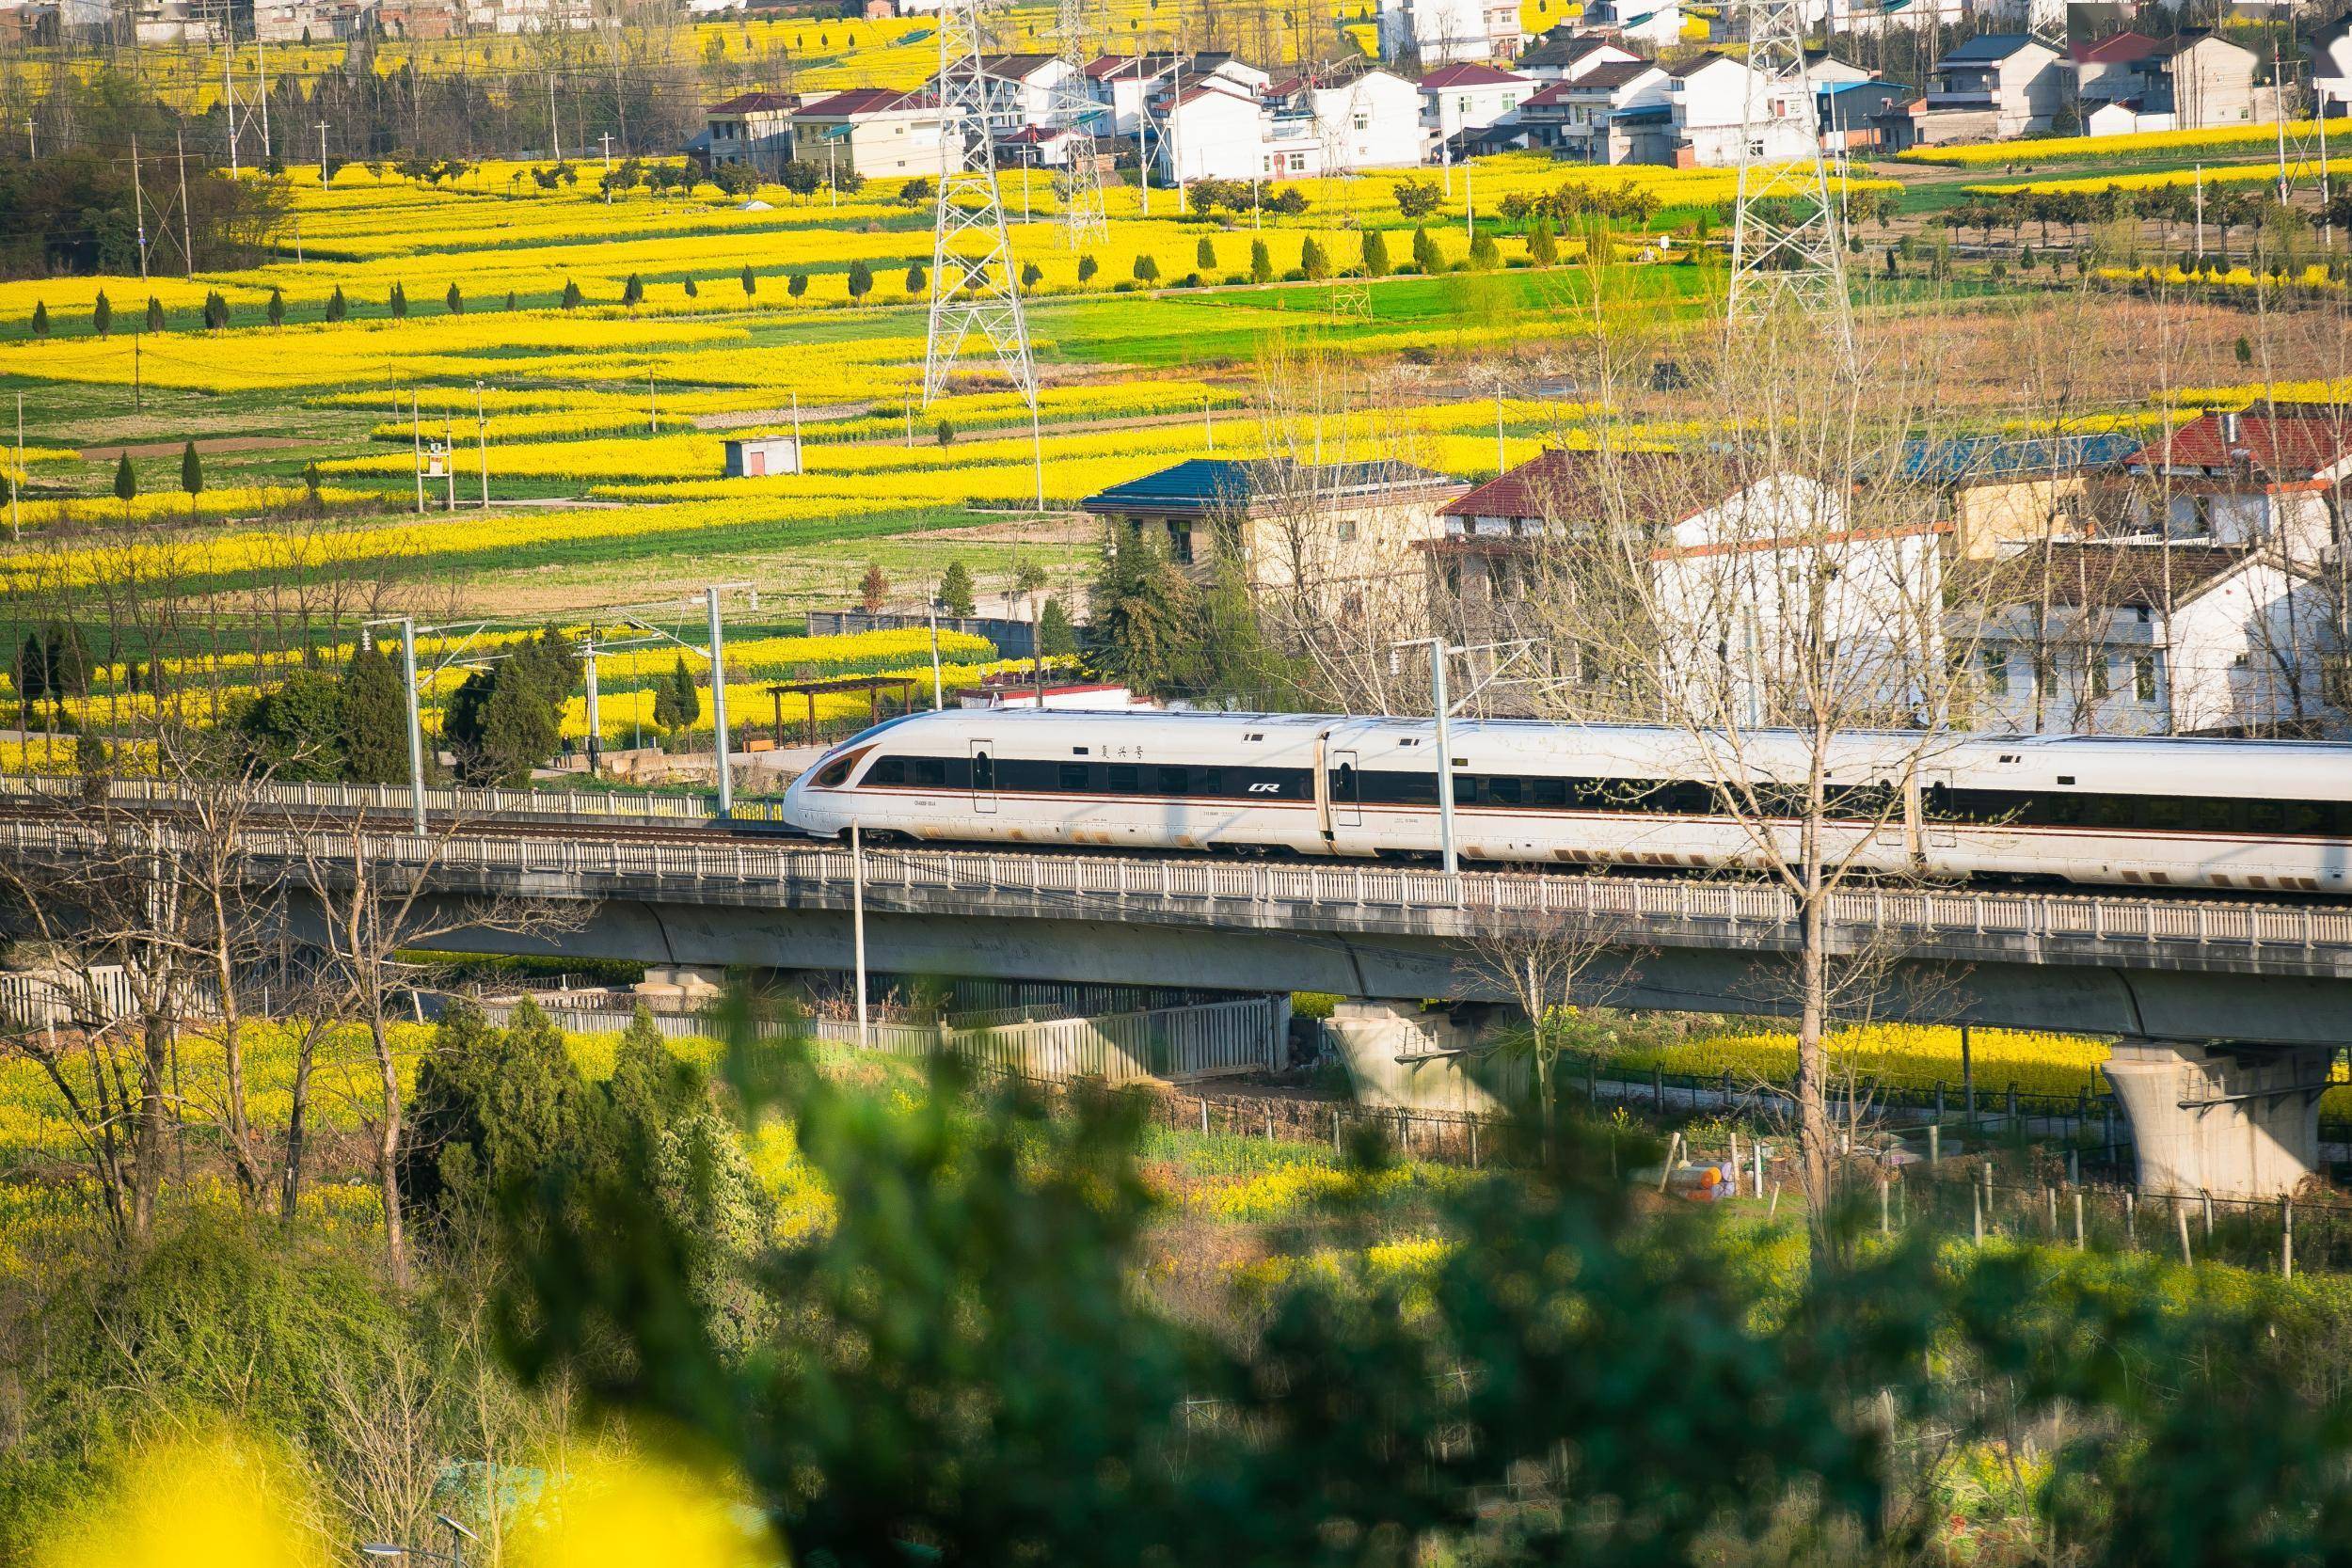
[1473, 108]
[2277, 480]
[1577, 118]
[876, 134]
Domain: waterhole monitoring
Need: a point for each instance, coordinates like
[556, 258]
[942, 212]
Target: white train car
[2265, 815]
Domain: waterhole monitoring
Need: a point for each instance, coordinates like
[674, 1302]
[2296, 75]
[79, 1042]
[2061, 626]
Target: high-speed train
[2270, 815]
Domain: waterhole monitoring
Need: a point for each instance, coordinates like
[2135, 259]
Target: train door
[984, 777]
[1939, 813]
[1348, 801]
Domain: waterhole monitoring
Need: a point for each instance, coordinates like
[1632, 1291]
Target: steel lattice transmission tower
[1080, 185]
[1785, 246]
[973, 285]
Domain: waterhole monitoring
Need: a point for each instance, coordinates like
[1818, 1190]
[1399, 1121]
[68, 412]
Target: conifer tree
[918, 280]
[1087, 267]
[40, 318]
[1054, 634]
[1147, 269]
[796, 285]
[276, 308]
[397, 302]
[191, 476]
[1204, 254]
[155, 314]
[455, 301]
[1375, 254]
[955, 590]
[1543, 246]
[751, 284]
[375, 719]
[126, 484]
[337, 308]
[1261, 262]
[861, 280]
[633, 292]
[1313, 261]
[1484, 254]
[572, 295]
[1425, 254]
[101, 315]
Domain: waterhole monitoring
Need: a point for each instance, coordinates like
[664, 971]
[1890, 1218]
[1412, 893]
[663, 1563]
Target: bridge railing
[386, 799]
[1095, 886]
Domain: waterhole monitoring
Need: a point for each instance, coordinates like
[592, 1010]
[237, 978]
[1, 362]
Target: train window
[836, 774]
[887, 771]
[1255, 734]
[2066, 778]
[2267, 816]
[1175, 780]
[1072, 776]
[983, 770]
[1124, 779]
[930, 772]
[1549, 792]
[2160, 811]
[1466, 789]
[1209, 780]
[1077, 751]
[1344, 782]
[1504, 792]
[2304, 817]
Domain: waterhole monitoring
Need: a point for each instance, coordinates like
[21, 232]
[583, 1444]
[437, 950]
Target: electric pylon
[1080, 184]
[973, 285]
[1785, 244]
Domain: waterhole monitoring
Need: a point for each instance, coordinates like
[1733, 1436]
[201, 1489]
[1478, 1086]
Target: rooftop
[1015, 67]
[860, 101]
[1987, 50]
[756, 102]
[1448, 76]
[1233, 485]
[1552, 485]
[1975, 459]
[2281, 446]
[2116, 49]
[2106, 574]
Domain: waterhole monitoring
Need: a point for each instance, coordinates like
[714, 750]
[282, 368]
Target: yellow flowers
[2163, 180]
[2220, 138]
[1898, 1055]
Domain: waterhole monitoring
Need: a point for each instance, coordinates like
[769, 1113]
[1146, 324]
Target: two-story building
[2329, 50]
[1719, 111]
[2145, 636]
[1463, 106]
[1988, 88]
[1218, 128]
[877, 133]
[752, 128]
[1322, 527]
[1578, 118]
[1997, 493]
[2277, 480]
[1432, 33]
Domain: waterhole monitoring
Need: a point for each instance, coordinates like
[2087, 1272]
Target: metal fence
[390, 798]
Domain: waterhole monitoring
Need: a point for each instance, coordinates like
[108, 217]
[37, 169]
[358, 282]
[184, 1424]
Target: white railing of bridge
[470, 804]
[1097, 886]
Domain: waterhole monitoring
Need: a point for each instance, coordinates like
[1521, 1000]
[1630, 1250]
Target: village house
[1564, 54]
[752, 128]
[1988, 88]
[2145, 636]
[1473, 109]
[1578, 118]
[2276, 479]
[2329, 50]
[1432, 33]
[1291, 523]
[876, 133]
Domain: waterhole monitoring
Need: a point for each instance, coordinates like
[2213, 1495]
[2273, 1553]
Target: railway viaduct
[2229, 1013]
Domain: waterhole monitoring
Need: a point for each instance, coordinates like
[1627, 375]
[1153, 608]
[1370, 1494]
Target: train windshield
[865, 735]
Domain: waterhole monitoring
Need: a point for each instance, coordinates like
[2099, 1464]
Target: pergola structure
[812, 689]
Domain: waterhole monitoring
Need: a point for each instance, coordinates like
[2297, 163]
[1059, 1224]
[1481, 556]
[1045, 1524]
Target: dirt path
[203, 444]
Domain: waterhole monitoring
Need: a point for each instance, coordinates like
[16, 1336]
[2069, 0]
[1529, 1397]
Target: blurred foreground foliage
[965, 1368]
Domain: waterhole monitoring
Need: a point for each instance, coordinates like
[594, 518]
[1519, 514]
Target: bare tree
[1555, 964]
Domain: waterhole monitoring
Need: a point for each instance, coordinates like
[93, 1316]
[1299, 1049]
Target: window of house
[1347, 531]
[2201, 515]
[2099, 676]
[2144, 678]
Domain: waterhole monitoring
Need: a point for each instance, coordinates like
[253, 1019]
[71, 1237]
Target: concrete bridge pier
[2222, 1119]
[1399, 1054]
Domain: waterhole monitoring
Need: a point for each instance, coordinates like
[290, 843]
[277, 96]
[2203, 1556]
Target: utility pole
[555, 136]
[482, 443]
[857, 926]
[322, 154]
[138, 395]
[719, 693]
[416, 446]
[261, 61]
[449, 458]
[596, 719]
[187, 227]
[16, 480]
[930, 611]
[607, 140]
[32, 148]
[229, 83]
[138, 204]
[407, 625]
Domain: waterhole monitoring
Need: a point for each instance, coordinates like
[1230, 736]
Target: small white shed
[754, 457]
